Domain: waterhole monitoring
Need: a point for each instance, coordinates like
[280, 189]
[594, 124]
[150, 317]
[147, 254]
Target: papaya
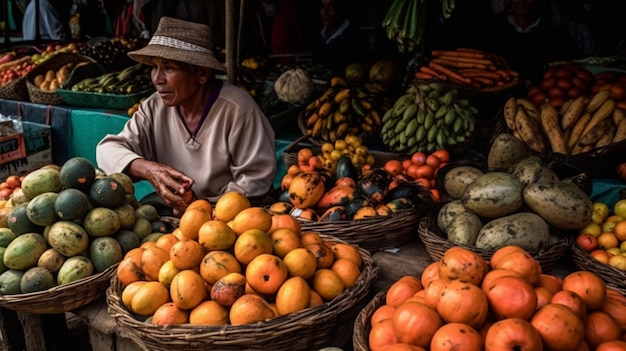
[104, 252]
[68, 238]
[10, 282]
[24, 251]
[74, 268]
[40, 210]
[40, 181]
[36, 279]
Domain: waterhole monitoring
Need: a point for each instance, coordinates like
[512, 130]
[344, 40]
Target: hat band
[178, 44]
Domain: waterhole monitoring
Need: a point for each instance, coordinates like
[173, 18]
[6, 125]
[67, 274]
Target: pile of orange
[234, 263]
[420, 167]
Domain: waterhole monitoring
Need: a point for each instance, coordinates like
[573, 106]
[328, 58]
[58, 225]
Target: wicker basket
[40, 96]
[362, 325]
[15, 90]
[61, 298]
[310, 329]
[436, 245]
[614, 277]
[290, 155]
[373, 234]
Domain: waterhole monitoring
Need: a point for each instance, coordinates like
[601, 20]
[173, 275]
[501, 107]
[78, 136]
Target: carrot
[503, 74]
[466, 59]
[482, 74]
[451, 73]
[428, 70]
[457, 54]
[423, 75]
[458, 64]
[483, 80]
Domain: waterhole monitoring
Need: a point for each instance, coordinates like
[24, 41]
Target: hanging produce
[404, 23]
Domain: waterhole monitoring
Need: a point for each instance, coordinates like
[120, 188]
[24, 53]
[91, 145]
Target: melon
[78, 173]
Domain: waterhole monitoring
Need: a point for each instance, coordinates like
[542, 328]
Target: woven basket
[436, 245]
[61, 298]
[362, 325]
[373, 234]
[39, 96]
[614, 277]
[15, 90]
[290, 155]
[309, 329]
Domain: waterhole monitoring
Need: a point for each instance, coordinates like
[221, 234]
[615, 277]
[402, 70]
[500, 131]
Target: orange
[620, 230]
[293, 295]
[216, 235]
[425, 171]
[229, 205]
[406, 163]
[209, 313]
[186, 253]
[168, 313]
[266, 273]
[285, 220]
[307, 238]
[619, 208]
[167, 272]
[394, 167]
[607, 240]
[347, 271]
[149, 297]
[166, 241]
[284, 240]
[601, 255]
[129, 292]
[347, 251]
[327, 283]
[191, 221]
[443, 155]
[411, 171]
[433, 161]
[300, 262]
[251, 244]
[202, 204]
[252, 218]
[418, 158]
[217, 264]
[188, 289]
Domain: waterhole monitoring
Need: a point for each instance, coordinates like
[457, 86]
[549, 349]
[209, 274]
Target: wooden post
[231, 41]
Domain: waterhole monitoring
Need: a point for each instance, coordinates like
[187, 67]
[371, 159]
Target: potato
[561, 204]
[463, 228]
[506, 150]
[524, 229]
[447, 212]
[493, 194]
[458, 178]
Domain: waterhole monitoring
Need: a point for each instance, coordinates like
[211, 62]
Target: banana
[310, 122]
[605, 110]
[339, 117]
[317, 128]
[402, 103]
[449, 117]
[410, 111]
[342, 129]
[443, 109]
[342, 95]
[618, 116]
[357, 107]
[429, 121]
[411, 127]
[458, 124]
[420, 133]
[597, 100]
[431, 104]
[432, 133]
[573, 112]
[510, 109]
[421, 116]
[595, 133]
[448, 97]
[344, 106]
[401, 125]
[325, 109]
[375, 117]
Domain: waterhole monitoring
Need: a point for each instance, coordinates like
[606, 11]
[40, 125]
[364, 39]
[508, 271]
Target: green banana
[411, 127]
[420, 133]
[449, 117]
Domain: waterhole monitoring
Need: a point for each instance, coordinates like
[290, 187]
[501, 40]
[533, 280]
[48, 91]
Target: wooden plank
[410, 259]
[11, 332]
[104, 333]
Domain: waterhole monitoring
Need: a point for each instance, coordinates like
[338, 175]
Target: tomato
[443, 155]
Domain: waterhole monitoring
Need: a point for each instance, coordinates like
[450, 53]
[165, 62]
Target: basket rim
[171, 335]
[614, 277]
[362, 323]
[47, 301]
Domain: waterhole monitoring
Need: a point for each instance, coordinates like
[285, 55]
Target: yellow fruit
[592, 228]
[608, 240]
[601, 211]
[614, 251]
[229, 205]
[622, 246]
[618, 261]
[620, 208]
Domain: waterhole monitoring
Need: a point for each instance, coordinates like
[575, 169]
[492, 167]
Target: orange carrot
[460, 64]
[484, 74]
[503, 74]
[466, 59]
[428, 70]
[483, 81]
[423, 75]
[451, 73]
[437, 53]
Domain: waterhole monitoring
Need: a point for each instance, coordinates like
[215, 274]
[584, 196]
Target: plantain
[529, 130]
[605, 110]
[606, 138]
[531, 109]
[339, 117]
[325, 109]
[510, 109]
[573, 112]
[317, 128]
[598, 99]
[550, 124]
[344, 106]
[342, 95]
[620, 132]
[618, 116]
[375, 117]
[594, 134]
[577, 131]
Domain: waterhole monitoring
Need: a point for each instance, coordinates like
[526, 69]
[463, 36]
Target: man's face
[523, 7]
[328, 15]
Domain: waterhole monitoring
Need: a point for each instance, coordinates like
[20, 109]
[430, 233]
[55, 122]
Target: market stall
[438, 182]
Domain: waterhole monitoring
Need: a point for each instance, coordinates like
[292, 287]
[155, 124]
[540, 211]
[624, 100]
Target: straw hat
[182, 41]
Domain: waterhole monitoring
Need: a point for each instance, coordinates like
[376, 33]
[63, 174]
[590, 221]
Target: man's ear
[204, 74]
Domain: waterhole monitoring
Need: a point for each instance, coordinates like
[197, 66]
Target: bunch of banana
[580, 125]
[341, 111]
[404, 24]
[428, 117]
[127, 81]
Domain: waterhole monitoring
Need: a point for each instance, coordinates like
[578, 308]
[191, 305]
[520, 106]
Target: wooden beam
[231, 40]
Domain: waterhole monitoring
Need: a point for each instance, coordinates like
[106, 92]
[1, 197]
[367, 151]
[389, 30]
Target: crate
[24, 152]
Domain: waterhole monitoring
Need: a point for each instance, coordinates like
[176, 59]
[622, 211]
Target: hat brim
[201, 59]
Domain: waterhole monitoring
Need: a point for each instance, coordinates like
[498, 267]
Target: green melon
[152, 237]
[132, 200]
[107, 192]
[125, 180]
[74, 268]
[24, 251]
[36, 279]
[127, 239]
[159, 227]
[78, 173]
[6, 236]
[127, 216]
[142, 227]
[148, 212]
[10, 282]
[71, 204]
[104, 252]
[19, 222]
[41, 181]
[3, 267]
[40, 210]
[101, 221]
[68, 238]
